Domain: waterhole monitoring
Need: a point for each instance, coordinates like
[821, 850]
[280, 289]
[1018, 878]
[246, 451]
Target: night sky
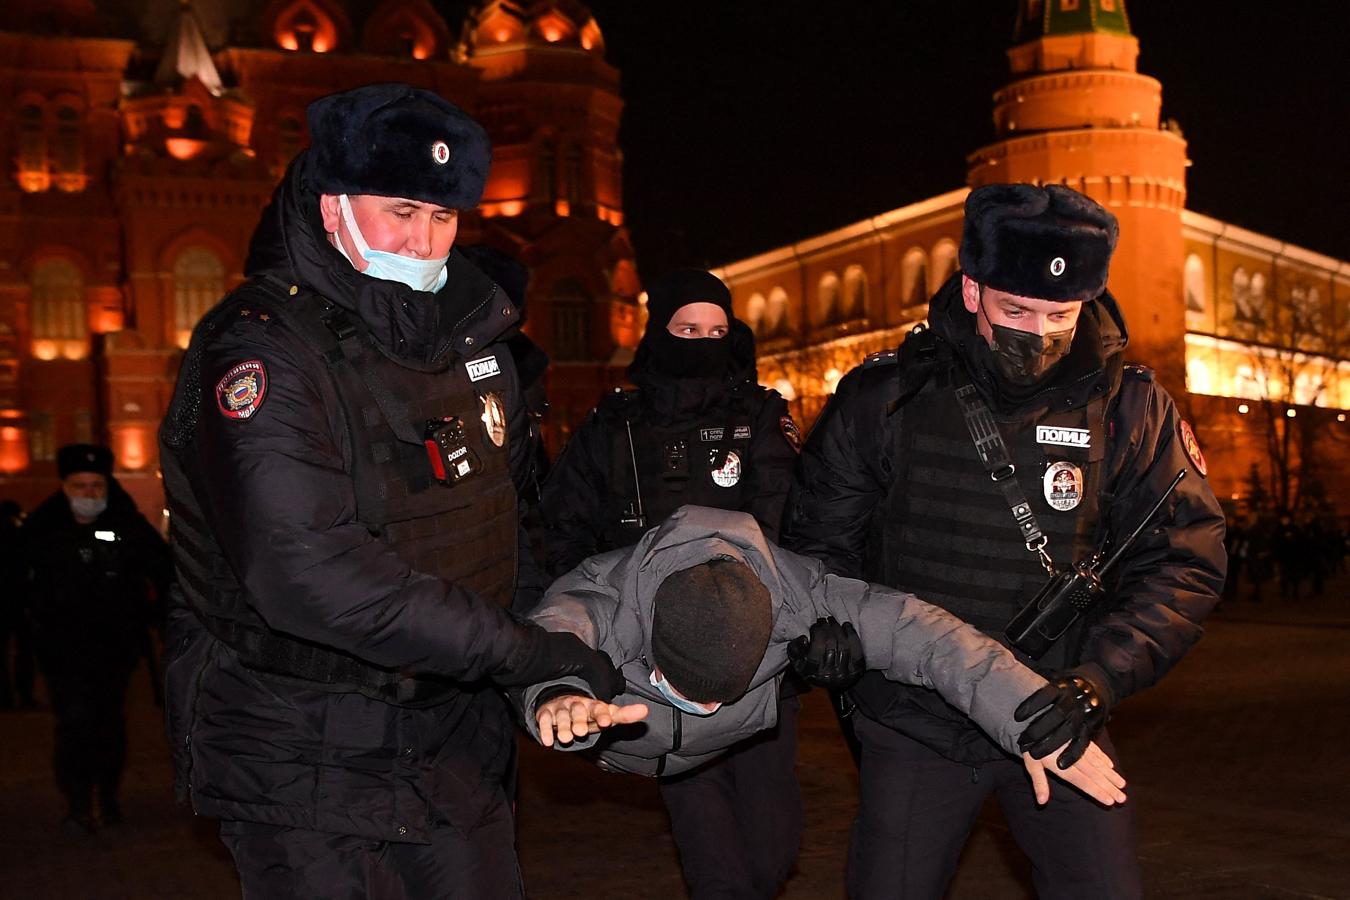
[752, 124]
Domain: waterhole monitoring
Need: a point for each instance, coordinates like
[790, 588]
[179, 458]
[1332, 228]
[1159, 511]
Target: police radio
[1069, 594]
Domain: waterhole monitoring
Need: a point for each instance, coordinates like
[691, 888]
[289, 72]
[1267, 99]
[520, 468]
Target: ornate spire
[1050, 18]
[186, 55]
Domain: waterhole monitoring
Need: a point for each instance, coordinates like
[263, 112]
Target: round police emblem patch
[1063, 485]
[440, 152]
[726, 471]
[1192, 446]
[1057, 266]
[791, 432]
[240, 393]
[494, 419]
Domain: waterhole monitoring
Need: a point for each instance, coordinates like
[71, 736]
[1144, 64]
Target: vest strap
[993, 452]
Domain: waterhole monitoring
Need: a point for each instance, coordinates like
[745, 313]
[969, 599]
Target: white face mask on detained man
[419, 274]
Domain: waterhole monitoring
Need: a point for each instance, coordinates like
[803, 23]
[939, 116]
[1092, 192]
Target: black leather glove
[832, 656]
[560, 654]
[1071, 708]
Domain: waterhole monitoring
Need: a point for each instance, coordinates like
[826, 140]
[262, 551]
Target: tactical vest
[945, 533]
[654, 470]
[464, 533]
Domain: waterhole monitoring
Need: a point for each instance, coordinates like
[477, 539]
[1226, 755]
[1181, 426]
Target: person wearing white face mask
[96, 568]
[342, 459]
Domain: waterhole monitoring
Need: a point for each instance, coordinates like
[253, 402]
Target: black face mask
[1024, 358]
[677, 357]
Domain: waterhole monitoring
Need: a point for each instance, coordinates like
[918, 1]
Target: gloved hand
[559, 654]
[1072, 709]
[832, 656]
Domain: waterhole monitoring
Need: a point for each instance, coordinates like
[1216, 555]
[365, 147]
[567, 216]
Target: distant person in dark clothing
[13, 622]
[95, 567]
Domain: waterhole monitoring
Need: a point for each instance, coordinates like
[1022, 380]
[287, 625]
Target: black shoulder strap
[916, 361]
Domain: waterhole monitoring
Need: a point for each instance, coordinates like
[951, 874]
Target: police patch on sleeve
[791, 432]
[1192, 447]
[1063, 485]
[241, 392]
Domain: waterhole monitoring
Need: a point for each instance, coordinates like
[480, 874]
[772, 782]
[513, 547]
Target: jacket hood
[411, 326]
[1097, 354]
[694, 535]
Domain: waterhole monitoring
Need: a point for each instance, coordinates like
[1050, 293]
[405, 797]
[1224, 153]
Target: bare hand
[573, 716]
[1094, 774]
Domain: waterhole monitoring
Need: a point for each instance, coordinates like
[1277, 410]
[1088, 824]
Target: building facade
[1247, 332]
[143, 139]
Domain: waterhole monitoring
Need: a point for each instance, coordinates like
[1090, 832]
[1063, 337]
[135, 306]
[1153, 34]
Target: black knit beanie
[710, 628]
[680, 288]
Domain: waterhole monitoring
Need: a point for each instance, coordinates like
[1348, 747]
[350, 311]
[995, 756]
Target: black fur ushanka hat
[394, 140]
[1047, 243]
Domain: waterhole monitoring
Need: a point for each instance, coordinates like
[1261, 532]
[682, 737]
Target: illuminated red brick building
[1251, 334]
[141, 145]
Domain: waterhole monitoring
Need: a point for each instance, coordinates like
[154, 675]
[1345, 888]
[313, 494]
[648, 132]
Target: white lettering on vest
[483, 368]
[1064, 437]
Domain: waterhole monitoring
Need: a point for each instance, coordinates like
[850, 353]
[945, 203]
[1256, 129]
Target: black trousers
[738, 821]
[918, 807]
[89, 703]
[278, 863]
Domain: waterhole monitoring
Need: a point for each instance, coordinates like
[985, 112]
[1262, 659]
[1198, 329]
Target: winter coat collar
[410, 326]
[1092, 368]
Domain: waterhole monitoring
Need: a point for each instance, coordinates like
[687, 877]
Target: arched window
[1195, 284]
[828, 302]
[60, 320]
[570, 307]
[31, 151]
[1243, 308]
[775, 313]
[198, 283]
[855, 293]
[68, 155]
[944, 264]
[546, 186]
[914, 278]
[754, 312]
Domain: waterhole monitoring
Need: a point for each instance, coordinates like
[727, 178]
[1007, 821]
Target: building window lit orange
[855, 293]
[827, 299]
[198, 283]
[914, 278]
[31, 145]
[60, 322]
[775, 314]
[68, 151]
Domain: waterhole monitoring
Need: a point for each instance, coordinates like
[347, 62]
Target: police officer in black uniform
[341, 459]
[96, 570]
[1024, 355]
[698, 430]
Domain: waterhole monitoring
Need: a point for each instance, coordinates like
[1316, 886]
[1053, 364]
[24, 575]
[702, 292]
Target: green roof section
[1051, 18]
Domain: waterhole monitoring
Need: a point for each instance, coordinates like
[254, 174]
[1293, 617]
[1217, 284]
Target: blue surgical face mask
[419, 274]
[675, 700]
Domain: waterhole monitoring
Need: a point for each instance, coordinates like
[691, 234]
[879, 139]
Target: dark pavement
[1238, 763]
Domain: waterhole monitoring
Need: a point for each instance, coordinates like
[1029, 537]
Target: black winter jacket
[1170, 579]
[92, 589]
[277, 495]
[580, 502]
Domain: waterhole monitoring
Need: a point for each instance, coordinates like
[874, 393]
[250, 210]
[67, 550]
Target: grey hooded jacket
[607, 602]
